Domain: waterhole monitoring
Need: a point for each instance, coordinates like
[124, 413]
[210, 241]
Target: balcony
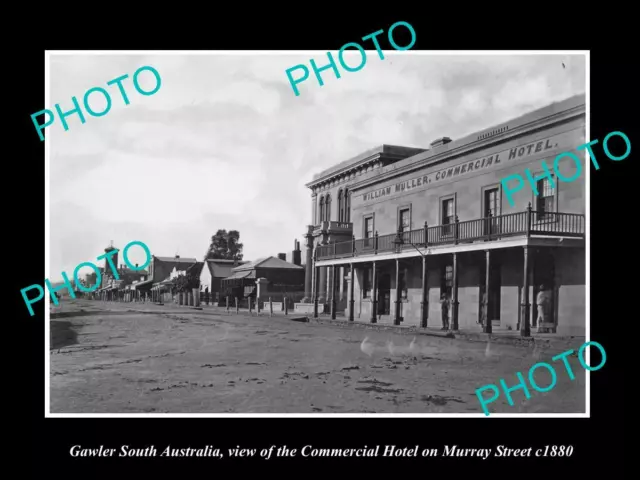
[331, 227]
[528, 223]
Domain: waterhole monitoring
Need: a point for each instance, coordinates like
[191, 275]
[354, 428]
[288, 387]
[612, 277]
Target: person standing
[542, 301]
[444, 304]
[206, 294]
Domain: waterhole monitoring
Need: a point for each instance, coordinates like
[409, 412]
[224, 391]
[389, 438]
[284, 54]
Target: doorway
[544, 275]
[384, 294]
[491, 211]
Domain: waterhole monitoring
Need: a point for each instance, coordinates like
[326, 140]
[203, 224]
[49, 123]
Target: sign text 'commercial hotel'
[460, 169]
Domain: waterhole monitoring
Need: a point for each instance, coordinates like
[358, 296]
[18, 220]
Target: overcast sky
[225, 143]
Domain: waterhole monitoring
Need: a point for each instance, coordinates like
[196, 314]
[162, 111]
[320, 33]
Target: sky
[226, 144]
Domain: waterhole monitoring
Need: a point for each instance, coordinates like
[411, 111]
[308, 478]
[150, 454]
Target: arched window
[340, 206]
[321, 210]
[327, 208]
[347, 205]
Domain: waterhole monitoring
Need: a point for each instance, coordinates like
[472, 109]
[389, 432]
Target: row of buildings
[396, 229]
[217, 278]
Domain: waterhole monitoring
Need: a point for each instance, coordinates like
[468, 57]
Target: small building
[163, 289]
[216, 270]
[161, 267]
[282, 278]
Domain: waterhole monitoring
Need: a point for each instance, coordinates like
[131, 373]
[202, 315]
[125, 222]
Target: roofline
[174, 258]
[239, 267]
[225, 260]
[362, 158]
[544, 117]
[244, 267]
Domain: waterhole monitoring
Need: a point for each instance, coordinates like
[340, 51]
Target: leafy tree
[185, 283]
[225, 245]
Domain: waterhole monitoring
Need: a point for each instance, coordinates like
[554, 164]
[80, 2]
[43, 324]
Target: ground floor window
[446, 280]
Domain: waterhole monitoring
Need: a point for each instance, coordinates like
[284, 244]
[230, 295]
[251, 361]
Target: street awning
[163, 284]
[145, 284]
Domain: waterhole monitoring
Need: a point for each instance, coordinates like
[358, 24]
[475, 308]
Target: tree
[225, 245]
[185, 283]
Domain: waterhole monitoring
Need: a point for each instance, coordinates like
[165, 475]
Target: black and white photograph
[238, 240]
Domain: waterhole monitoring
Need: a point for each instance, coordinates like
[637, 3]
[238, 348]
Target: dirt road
[108, 359]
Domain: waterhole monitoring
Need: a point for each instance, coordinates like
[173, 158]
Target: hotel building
[395, 228]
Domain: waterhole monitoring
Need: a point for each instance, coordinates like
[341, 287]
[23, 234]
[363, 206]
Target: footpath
[510, 337]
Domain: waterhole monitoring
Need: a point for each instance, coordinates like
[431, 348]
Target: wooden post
[333, 292]
[525, 331]
[374, 301]
[286, 306]
[250, 308]
[487, 326]
[227, 301]
[351, 294]
[237, 305]
[396, 320]
[426, 234]
[456, 226]
[270, 307]
[425, 299]
[316, 277]
[454, 302]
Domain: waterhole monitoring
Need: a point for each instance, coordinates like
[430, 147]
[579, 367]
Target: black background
[597, 441]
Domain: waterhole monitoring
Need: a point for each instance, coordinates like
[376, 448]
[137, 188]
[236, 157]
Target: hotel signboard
[464, 168]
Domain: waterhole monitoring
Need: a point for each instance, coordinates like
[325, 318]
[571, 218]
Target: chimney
[440, 141]
[282, 256]
[296, 255]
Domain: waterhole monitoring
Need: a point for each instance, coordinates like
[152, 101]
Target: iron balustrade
[333, 226]
[526, 223]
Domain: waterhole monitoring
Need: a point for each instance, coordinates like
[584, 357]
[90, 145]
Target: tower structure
[114, 259]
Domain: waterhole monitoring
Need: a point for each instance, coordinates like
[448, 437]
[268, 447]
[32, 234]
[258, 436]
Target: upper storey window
[321, 209]
[347, 205]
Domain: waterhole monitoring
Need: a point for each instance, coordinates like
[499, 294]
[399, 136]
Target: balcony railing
[332, 226]
[526, 223]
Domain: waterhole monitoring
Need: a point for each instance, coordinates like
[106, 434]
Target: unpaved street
[108, 358]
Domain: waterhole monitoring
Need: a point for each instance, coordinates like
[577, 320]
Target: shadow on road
[62, 335]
